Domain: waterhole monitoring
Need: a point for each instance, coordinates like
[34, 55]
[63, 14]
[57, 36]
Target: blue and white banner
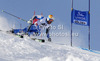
[80, 17]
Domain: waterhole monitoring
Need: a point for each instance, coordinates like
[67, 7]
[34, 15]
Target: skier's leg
[29, 27]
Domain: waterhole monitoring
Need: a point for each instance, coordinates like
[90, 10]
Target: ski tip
[43, 41]
[21, 36]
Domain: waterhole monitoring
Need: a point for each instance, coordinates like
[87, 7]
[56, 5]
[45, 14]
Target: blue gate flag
[80, 17]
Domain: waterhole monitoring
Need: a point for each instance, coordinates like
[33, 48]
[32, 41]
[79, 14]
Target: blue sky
[61, 9]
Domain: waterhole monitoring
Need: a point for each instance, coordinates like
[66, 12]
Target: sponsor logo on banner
[80, 17]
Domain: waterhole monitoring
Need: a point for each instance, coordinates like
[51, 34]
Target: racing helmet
[50, 19]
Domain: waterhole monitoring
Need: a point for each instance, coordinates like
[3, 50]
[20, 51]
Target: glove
[30, 21]
[49, 39]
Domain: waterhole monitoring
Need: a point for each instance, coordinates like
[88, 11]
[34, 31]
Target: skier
[38, 22]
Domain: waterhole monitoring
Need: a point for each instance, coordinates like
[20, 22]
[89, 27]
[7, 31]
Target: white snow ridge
[4, 24]
[13, 48]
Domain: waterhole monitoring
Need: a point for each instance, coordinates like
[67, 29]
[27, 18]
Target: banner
[80, 17]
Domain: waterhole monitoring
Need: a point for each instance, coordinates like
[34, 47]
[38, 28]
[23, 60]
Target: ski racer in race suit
[40, 22]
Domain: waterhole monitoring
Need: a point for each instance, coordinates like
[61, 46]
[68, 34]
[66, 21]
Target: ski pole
[13, 15]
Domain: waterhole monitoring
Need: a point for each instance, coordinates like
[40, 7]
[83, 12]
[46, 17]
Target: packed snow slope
[13, 48]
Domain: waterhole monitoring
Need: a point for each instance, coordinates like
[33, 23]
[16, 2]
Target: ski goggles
[50, 18]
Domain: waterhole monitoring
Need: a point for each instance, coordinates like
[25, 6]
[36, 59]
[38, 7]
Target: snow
[4, 23]
[13, 48]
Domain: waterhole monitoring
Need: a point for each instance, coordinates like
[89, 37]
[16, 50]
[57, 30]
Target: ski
[22, 36]
[39, 40]
[17, 34]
